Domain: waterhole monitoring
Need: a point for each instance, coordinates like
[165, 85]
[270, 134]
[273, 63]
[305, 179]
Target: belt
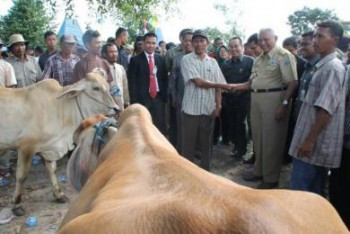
[268, 90]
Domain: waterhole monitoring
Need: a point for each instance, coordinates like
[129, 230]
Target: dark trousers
[339, 188]
[157, 109]
[225, 118]
[237, 109]
[197, 129]
[172, 125]
[292, 122]
[217, 130]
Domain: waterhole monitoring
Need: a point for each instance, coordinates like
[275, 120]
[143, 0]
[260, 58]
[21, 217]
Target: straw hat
[16, 38]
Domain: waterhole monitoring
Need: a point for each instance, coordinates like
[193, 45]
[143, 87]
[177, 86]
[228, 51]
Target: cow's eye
[96, 88]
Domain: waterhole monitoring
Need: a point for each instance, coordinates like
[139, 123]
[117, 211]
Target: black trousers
[237, 110]
[339, 188]
[172, 125]
[157, 109]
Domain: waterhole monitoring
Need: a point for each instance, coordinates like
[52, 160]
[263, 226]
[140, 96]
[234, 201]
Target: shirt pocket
[32, 75]
[272, 69]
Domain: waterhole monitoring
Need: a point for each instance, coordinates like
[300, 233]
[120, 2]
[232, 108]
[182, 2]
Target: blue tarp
[71, 26]
[159, 34]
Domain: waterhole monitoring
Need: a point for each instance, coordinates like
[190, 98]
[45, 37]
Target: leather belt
[268, 90]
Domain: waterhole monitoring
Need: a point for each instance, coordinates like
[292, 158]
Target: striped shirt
[196, 100]
[327, 91]
[60, 69]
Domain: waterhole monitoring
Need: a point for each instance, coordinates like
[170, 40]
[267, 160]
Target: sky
[250, 15]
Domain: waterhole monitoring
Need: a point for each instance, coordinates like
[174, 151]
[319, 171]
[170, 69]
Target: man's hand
[306, 148]
[232, 87]
[216, 112]
[280, 113]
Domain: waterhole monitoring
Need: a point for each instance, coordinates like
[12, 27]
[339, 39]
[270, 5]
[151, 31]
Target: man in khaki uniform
[272, 83]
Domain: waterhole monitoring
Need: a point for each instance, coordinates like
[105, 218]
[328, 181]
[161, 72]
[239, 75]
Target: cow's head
[92, 96]
[90, 138]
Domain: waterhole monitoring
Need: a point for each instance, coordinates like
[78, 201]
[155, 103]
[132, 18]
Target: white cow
[42, 118]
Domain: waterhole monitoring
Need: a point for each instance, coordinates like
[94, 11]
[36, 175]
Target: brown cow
[141, 185]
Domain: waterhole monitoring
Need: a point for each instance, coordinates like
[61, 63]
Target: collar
[147, 54]
[271, 52]
[60, 56]
[197, 56]
[313, 60]
[240, 58]
[17, 59]
[326, 59]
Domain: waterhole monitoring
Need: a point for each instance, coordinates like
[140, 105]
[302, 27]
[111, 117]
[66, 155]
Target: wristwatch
[285, 102]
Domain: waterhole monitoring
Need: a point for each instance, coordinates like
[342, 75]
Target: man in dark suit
[148, 81]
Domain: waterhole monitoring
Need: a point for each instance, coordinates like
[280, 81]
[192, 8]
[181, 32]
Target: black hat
[199, 33]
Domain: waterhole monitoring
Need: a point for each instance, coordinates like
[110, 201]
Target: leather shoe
[267, 185]
[251, 177]
[251, 160]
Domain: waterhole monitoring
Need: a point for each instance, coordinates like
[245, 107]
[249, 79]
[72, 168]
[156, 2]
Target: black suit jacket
[139, 78]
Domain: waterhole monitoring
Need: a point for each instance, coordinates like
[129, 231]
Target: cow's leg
[24, 163]
[59, 196]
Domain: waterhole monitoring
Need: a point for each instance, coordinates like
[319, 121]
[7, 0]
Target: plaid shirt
[327, 90]
[59, 69]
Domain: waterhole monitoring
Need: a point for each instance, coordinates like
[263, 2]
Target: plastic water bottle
[31, 221]
[115, 91]
[36, 160]
[4, 182]
[62, 178]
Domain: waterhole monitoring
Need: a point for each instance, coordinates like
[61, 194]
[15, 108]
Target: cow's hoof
[18, 211]
[62, 199]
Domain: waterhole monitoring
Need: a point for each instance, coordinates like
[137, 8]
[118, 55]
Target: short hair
[39, 49]
[333, 25]
[236, 38]
[291, 41]
[139, 38]
[308, 34]
[217, 39]
[119, 32]
[253, 38]
[161, 42]
[89, 35]
[110, 40]
[170, 45]
[149, 34]
[104, 49]
[185, 31]
[49, 33]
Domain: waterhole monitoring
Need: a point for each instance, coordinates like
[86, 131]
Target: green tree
[304, 20]
[230, 24]
[215, 33]
[27, 17]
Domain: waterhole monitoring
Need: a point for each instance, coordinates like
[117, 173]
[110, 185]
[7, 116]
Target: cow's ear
[73, 91]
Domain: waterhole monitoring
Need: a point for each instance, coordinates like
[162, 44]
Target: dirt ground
[38, 198]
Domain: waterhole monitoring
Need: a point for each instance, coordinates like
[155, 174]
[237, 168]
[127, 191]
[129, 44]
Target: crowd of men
[293, 98]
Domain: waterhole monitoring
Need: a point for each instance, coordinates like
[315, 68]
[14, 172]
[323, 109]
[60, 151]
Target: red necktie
[152, 81]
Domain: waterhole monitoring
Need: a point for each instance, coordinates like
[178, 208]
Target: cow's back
[143, 186]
